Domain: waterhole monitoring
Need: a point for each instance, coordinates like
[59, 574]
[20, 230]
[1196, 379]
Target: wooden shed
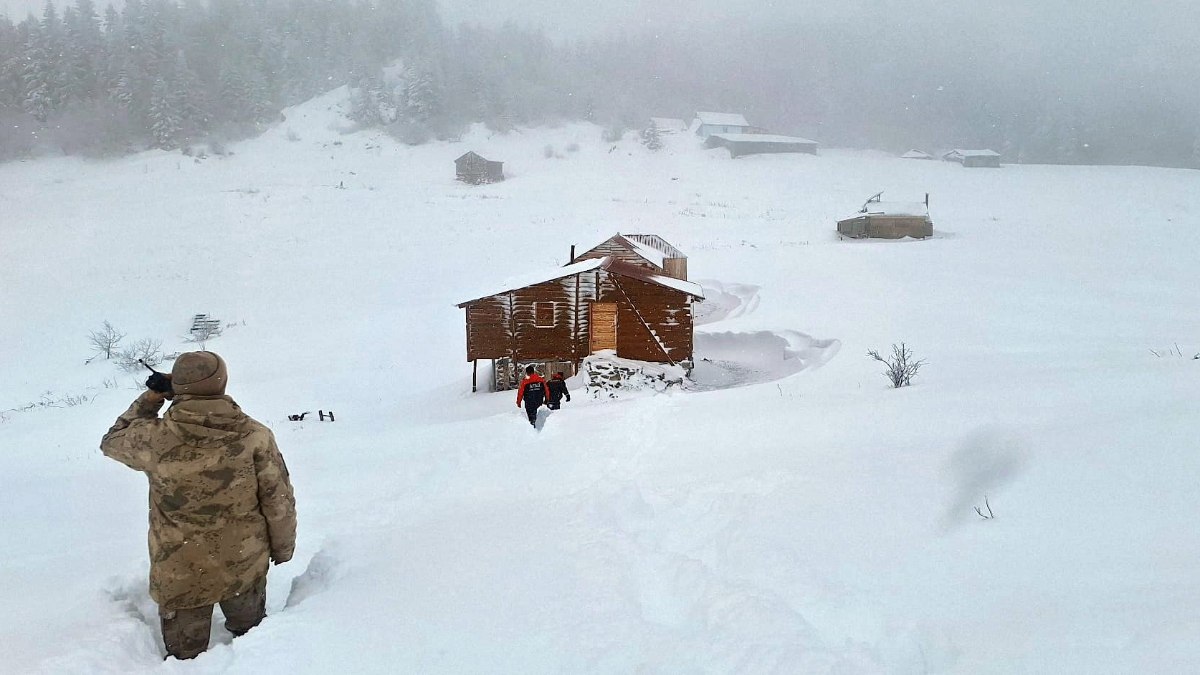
[643, 250]
[566, 314]
[473, 169]
[756, 144]
[974, 158]
[888, 220]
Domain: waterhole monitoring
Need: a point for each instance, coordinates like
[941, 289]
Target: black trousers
[531, 409]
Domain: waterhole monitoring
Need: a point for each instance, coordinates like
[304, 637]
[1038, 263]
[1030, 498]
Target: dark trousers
[185, 631]
[553, 405]
[531, 410]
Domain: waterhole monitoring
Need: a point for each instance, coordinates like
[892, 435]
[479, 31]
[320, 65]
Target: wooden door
[603, 326]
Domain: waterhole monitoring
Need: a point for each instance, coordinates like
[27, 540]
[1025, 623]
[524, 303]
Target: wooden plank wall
[505, 325]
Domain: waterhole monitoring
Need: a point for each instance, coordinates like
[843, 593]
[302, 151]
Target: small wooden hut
[473, 169]
[557, 318]
[888, 220]
[756, 144]
[974, 159]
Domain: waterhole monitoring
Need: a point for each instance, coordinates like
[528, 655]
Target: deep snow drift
[787, 512]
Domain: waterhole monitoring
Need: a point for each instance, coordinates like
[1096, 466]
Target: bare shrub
[105, 340]
[146, 350]
[901, 367]
[204, 332]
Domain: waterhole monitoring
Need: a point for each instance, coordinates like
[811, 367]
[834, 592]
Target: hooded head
[529, 370]
[199, 374]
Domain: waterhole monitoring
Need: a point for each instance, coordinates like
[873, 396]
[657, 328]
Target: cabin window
[543, 314]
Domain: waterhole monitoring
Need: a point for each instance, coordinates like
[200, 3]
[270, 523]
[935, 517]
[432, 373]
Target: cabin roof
[472, 153]
[764, 138]
[635, 242]
[722, 119]
[916, 154]
[607, 263]
[974, 153]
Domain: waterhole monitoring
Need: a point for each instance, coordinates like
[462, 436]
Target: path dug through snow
[725, 360]
[733, 359]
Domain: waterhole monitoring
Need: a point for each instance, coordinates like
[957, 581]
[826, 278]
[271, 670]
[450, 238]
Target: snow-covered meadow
[785, 513]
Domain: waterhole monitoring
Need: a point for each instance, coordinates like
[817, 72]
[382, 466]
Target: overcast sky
[1157, 30]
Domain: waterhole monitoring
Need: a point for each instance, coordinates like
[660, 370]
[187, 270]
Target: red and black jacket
[532, 391]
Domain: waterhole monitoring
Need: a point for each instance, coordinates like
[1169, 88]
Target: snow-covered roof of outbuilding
[765, 138]
[974, 153]
[916, 154]
[722, 119]
[608, 263]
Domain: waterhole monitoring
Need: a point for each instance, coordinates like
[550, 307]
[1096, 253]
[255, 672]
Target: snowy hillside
[786, 513]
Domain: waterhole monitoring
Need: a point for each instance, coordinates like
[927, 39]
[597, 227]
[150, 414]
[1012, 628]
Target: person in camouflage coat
[221, 502]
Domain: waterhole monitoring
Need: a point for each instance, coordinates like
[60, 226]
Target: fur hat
[199, 374]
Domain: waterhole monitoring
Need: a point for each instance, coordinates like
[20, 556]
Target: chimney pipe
[573, 247]
[926, 200]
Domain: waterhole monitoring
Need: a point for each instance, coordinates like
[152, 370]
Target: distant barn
[888, 220]
[473, 169]
[756, 144]
[974, 158]
[709, 123]
[916, 154]
[557, 318]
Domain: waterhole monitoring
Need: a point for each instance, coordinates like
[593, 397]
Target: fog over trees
[1037, 84]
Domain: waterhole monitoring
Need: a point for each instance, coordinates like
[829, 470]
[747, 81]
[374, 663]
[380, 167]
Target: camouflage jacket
[221, 503]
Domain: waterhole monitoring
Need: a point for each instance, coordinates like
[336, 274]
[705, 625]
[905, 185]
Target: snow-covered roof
[669, 123]
[533, 279]
[974, 153]
[722, 119]
[916, 154]
[608, 263]
[764, 138]
[651, 254]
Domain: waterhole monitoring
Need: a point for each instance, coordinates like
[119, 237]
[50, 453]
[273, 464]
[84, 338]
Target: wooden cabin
[888, 220]
[974, 159]
[709, 123]
[569, 313]
[757, 144]
[643, 250]
[473, 169]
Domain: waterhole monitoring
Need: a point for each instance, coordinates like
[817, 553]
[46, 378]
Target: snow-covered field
[785, 513]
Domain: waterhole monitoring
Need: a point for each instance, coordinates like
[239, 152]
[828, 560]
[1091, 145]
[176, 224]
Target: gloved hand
[160, 383]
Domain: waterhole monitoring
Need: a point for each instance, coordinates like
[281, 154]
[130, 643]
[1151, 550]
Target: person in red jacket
[533, 392]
